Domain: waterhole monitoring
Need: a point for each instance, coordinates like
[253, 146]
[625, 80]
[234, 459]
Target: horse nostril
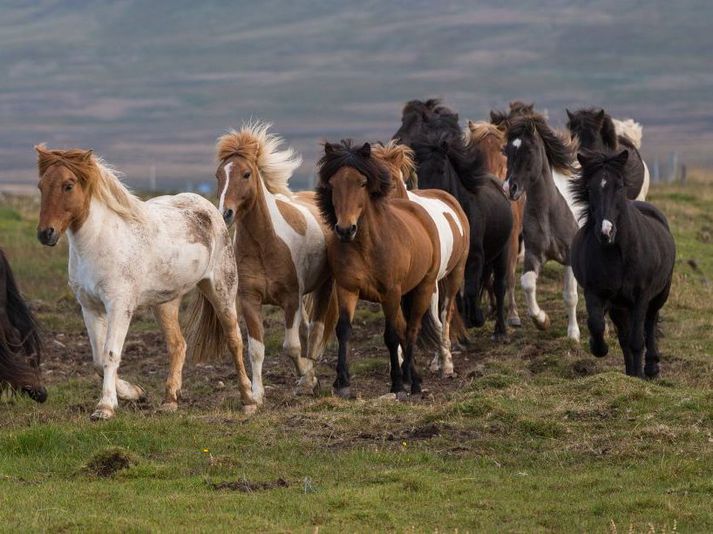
[352, 228]
[228, 214]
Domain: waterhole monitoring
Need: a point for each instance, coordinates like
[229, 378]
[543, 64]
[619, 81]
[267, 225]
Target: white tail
[630, 129]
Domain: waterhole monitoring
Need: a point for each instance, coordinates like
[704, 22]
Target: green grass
[535, 435]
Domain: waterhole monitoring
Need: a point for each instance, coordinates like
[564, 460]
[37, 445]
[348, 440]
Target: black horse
[20, 344]
[595, 131]
[430, 116]
[623, 257]
[461, 171]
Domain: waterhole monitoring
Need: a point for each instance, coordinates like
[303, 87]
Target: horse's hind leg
[500, 285]
[292, 344]
[421, 299]
[652, 357]
[222, 299]
[513, 249]
[597, 325]
[394, 329]
[322, 319]
[570, 301]
[167, 317]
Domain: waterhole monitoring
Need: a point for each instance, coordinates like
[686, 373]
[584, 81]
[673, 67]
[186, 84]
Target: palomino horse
[124, 253]
[453, 237]
[535, 154]
[595, 130]
[623, 257]
[383, 250]
[280, 247]
[489, 139]
[20, 343]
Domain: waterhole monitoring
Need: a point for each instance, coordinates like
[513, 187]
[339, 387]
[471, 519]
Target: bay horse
[280, 247]
[490, 140]
[382, 249]
[596, 131]
[20, 342]
[124, 253]
[453, 238]
[539, 164]
[452, 167]
[623, 257]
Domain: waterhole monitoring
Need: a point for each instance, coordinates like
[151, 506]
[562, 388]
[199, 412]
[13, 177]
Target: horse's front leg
[596, 311]
[118, 319]
[394, 332]
[347, 305]
[570, 301]
[251, 306]
[533, 264]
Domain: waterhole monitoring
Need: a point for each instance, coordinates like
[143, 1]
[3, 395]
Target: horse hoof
[345, 393]
[102, 413]
[542, 324]
[515, 322]
[141, 394]
[500, 337]
[651, 372]
[168, 407]
[307, 387]
[598, 349]
[449, 374]
[401, 396]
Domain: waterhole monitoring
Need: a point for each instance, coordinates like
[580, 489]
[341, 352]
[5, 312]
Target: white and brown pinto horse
[280, 246]
[454, 243]
[124, 253]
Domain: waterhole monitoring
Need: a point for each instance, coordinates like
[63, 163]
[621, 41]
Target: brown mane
[254, 143]
[490, 140]
[399, 160]
[98, 179]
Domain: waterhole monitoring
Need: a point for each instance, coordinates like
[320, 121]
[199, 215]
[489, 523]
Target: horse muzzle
[48, 236]
[37, 394]
[608, 232]
[513, 190]
[346, 234]
[228, 217]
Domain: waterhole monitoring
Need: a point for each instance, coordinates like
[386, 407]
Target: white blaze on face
[226, 169]
[607, 227]
[506, 186]
[516, 143]
[604, 183]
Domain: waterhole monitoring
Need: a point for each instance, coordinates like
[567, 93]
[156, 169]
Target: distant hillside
[153, 83]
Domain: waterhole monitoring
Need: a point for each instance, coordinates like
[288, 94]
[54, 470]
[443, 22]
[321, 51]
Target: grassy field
[534, 435]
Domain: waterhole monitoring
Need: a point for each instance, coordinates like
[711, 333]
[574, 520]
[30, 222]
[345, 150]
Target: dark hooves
[599, 349]
[345, 392]
[499, 337]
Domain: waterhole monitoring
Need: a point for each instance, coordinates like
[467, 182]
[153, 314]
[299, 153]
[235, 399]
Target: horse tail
[205, 336]
[20, 315]
[630, 129]
[429, 337]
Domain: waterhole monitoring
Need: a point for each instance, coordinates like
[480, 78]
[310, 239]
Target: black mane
[503, 119]
[560, 153]
[431, 117]
[593, 122]
[345, 154]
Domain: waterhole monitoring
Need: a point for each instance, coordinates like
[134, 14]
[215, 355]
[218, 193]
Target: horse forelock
[98, 179]
[257, 145]
[593, 164]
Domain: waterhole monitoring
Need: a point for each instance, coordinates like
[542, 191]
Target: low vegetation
[534, 435]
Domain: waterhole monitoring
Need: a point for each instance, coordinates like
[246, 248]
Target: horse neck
[542, 191]
[97, 231]
[257, 222]
[374, 216]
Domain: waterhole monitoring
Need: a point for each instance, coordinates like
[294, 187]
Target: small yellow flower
[206, 450]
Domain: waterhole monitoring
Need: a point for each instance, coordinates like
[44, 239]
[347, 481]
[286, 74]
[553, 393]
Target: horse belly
[175, 272]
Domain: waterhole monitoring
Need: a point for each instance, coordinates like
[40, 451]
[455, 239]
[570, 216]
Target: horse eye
[68, 187]
[246, 174]
[363, 184]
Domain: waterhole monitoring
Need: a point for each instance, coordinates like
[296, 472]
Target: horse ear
[87, 155]
[570, 115]
[622, 157]
[41, 149]
[496, 117]
[600, 116]
[328, 147]
[583, 159]
[365, 150]
[471, 124]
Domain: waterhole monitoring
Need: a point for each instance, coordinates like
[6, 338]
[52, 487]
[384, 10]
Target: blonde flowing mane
[254, 143]
[479, 130]
[96, 177]
[397, 158]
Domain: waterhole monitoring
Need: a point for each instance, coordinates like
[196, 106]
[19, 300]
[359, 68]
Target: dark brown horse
[20, 344]
[384, 250]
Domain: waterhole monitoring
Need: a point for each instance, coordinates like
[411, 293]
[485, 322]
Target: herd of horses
[425, 225]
